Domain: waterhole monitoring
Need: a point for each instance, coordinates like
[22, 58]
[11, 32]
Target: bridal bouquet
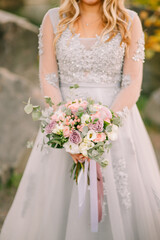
[79, 126]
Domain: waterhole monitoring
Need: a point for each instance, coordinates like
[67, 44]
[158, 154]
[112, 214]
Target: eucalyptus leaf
[28, 108]
[61, 103]
[74, 86]
[68, 112]
[49, 101]
[116, 121]
[90, 101]
[104, 163]
[36, 115]
[109, 128]
[85, 130]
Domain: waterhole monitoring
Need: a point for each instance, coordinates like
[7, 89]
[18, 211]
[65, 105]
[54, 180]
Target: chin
[90, 2]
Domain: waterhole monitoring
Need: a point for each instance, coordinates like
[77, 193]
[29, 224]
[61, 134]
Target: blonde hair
[114, 16]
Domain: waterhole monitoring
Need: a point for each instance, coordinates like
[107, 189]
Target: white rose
[90, 144]
[113, 135]
[84, 118]
[58, 128]
[91, 135]
[114, 128]
[71, 147]
[83, 146]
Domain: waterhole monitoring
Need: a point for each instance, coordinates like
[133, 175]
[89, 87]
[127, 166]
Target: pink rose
[100, 137]
[105, 113]
[98, 126]
[66, 131]
[74, 107]
[50, 127]
[95, 115]
[75, 137]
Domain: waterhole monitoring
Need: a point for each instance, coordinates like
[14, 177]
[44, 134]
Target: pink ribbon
[96, 192]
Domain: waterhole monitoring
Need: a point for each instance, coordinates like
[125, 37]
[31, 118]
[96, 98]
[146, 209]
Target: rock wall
[11, 4]
[18, 45]
[18, 81]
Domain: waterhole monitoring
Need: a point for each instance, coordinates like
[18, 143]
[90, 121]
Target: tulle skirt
[46, 203]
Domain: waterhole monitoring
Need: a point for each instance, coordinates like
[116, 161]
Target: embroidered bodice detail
[101, 63]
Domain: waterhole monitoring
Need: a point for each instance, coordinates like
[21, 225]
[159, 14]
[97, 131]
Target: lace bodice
[89, 61]
[79, 64]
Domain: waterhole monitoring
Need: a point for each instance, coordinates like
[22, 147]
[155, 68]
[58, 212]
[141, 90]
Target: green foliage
[35, 110]
[74, 86]
[14, 180]
[150, 17]
[49, 101]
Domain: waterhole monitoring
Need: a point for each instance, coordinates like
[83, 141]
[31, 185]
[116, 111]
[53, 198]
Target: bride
[99, 45]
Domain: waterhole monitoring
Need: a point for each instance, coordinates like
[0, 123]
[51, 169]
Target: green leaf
[68, 112]
[61, 103]
[95, 120]
[109, 128]
[80, 109]
[36, 115]
[49, 101]
[28, 108]
[116, 121]
[85, 130]
[106, 124]
[90, 101]
[29, 144]
[74, 86]
[104, 163]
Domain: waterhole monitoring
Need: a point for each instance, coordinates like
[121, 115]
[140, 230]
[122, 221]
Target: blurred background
[19, 24]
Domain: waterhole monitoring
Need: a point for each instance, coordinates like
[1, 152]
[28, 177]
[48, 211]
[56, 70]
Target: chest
[92, 54]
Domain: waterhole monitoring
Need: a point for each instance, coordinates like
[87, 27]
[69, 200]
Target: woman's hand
[79, 158]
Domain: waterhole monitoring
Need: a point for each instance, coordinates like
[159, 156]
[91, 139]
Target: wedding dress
[45, 206]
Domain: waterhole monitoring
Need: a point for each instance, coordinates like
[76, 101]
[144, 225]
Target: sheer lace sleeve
[48, 69]
[132, 70]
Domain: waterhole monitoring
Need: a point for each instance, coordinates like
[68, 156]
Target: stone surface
[11, 4]
[19, 46]
[16, 126]
[152, 109]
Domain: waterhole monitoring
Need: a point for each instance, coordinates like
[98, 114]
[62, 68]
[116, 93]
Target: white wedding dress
[46, 203]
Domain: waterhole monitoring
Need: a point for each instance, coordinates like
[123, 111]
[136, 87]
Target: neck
[90, 10]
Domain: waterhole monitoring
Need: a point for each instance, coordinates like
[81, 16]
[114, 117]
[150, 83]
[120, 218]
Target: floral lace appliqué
[99, 64]
[40, 43]
[52, 79]
[121, 179]
[126, 80]
[140, 51]
[123, 113]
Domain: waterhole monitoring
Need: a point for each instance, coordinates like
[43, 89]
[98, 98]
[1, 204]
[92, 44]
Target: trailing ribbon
[82, 187]
[93, 196]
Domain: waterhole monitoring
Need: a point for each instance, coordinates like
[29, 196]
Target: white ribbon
[82, 187]
[93, 196]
